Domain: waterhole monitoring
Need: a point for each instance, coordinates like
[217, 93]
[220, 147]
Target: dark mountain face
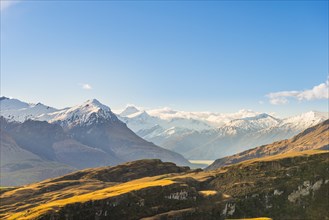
[50, 142]
[3, 98]
[7, 125]
[115, 136]
[80, 156]
[38, 137]
[19, 166]
[102, 135]
[33, 148]
[11, 153]
[104, 142]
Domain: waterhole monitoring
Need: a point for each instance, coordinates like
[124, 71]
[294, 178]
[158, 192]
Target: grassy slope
[70, 188]
[35, 200]
[312, 138]
[96, 195]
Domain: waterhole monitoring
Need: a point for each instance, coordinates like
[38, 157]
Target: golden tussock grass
[97, 195]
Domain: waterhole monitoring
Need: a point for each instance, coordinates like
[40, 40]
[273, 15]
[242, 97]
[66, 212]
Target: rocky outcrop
[291, 186]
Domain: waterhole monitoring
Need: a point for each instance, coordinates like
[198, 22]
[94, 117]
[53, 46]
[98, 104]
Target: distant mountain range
[195, 135]
[313, 138]
[206, 135]
[39, 142]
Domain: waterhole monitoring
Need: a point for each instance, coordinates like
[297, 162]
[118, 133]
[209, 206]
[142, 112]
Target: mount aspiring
[43, 142]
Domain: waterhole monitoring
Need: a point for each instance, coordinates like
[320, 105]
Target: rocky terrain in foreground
[289, 186]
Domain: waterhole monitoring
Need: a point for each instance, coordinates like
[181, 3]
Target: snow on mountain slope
[129, 110]
[258, 122]
[206, 135]
[16, 110]
[140, 121]
[196, 135]
[83, 114]
[87, 113]
[12, 104]
[305, 120]
[315, 137]
[143, 121]
[240, 135]
[167, 118]
[88, 134]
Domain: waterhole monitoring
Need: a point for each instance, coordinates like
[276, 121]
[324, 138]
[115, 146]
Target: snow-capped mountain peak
[91, 111]
[195, 134]
[306, 120]
[129, 110]
[16, 110]
[260, 117]
[257, 122]
[10, 104]
[94, 105]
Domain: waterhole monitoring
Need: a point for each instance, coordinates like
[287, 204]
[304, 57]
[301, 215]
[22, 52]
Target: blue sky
[196, 56]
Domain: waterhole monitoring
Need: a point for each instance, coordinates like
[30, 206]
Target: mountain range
[39, 142]
[287, 179]
[195, 135]
[42, 141]
[313, 138]
[206, 135]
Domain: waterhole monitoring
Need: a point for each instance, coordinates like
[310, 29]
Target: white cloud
[317, 92]
[86, 86]
[4, 4]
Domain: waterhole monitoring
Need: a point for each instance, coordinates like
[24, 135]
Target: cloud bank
[317, 92]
